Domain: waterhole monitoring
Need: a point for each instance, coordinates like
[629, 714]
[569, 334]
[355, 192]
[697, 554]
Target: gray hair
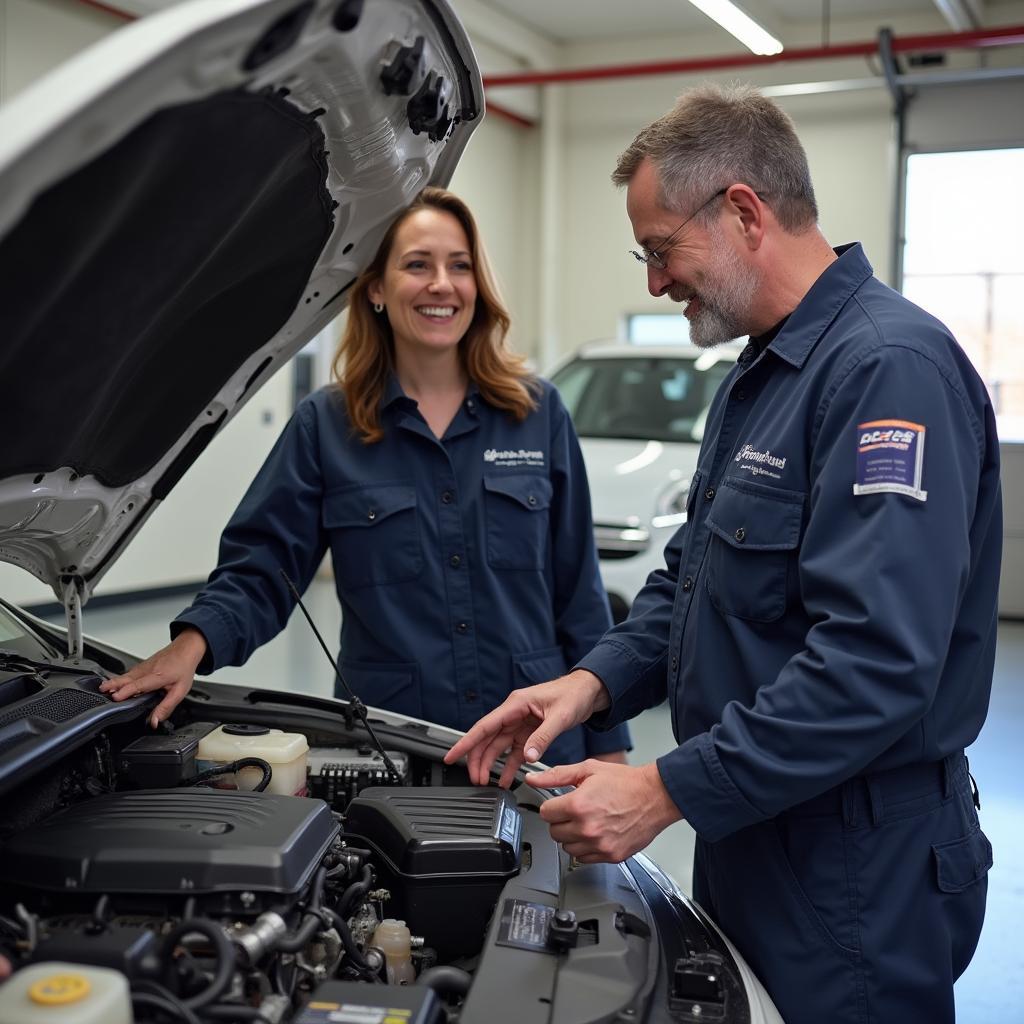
[717, 136]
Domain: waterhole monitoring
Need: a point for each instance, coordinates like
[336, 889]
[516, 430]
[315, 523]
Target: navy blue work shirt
[829, 608]
[465, 567]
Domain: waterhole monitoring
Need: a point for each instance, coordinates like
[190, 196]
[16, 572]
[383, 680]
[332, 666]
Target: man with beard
[824, 627]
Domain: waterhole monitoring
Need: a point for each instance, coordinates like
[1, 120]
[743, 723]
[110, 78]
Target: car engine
[224, 904]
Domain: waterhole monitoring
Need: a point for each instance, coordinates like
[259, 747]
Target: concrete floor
[992, 990]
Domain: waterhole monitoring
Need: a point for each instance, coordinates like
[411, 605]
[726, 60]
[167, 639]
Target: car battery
[338, 774]
[355, 1002]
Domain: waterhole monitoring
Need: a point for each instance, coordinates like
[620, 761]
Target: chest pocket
[751, 553]
[374, 534]
[517, 520]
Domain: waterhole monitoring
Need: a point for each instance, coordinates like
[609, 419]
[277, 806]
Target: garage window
[963, 262]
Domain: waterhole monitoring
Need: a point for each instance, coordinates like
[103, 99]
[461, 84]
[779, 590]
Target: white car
[640, 415]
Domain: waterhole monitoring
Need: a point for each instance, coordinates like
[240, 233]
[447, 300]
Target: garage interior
[874, 86]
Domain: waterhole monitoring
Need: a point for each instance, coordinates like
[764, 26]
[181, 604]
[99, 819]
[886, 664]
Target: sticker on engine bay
[525, 925]
[317, 1012]
[890, 458]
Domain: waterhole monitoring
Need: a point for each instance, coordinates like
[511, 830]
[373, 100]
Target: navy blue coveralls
[825, 632]
[465, 567]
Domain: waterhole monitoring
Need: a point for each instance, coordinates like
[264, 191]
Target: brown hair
[366, 355]
[716, 136]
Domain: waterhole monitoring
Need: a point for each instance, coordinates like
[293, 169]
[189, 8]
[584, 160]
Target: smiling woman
[449, 487]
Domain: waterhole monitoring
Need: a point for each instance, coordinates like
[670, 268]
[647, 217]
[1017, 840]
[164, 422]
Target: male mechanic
[825, 626]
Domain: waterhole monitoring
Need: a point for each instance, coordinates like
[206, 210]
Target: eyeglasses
[655, 257]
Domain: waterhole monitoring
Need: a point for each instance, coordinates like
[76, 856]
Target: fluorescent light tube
[740, 25]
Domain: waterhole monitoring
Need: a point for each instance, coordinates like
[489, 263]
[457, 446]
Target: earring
[378, 307]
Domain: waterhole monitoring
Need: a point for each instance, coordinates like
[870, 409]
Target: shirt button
[447, 497]
[740, 535]
[462, 627]
[532, 500]
[371, 515]
[470, 404]
[471, 695]
[709, 494]
[675, 664]
[688, 584]
[455, 561]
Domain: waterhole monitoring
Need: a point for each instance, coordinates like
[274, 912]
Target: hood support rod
[71, 593]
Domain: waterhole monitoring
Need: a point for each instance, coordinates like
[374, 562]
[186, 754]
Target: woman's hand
[173, 668]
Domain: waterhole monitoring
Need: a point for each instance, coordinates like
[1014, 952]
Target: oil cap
[59, 989]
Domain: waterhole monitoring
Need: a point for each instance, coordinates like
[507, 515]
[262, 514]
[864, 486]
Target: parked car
[181, 209]
[640, 413]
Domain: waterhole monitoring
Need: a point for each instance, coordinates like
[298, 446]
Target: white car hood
[182, 207]
[627, 477]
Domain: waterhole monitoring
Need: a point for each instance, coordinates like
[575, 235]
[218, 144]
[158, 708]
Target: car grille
[621, 540]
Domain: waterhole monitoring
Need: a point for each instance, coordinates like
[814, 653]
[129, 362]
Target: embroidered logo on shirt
[517, 457]
[759, 463]
[890, 458]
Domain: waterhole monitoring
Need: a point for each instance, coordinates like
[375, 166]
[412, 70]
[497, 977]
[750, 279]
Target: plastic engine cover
[437, 830]
[174, 841]
[445, 853]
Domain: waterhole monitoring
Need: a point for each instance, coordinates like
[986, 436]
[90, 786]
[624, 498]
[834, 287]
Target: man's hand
[172, 668]
[524, 726]
[614, 811]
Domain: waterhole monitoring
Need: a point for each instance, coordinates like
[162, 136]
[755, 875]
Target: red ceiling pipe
[977, 39]
[115, 12]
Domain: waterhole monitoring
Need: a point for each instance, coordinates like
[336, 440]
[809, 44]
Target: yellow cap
[59, 989]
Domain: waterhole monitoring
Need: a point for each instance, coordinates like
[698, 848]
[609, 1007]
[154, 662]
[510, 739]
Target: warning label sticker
[525, 925]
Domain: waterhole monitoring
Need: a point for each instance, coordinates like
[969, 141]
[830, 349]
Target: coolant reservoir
[62, 993]
[394, 940]
[284, 751]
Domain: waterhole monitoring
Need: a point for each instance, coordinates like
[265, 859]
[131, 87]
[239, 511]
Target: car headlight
[670, 507]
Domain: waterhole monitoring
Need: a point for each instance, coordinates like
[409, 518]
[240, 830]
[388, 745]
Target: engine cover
[187, 841]
[444, 852]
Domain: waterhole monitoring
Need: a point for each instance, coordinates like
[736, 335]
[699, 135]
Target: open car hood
[183, 207]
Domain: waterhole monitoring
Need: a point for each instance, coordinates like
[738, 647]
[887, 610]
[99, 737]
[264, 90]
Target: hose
[292, 943]
[231, 768]
[355, 892]
[150, 993]
[353, 951]
[446, 979]
[224, 951]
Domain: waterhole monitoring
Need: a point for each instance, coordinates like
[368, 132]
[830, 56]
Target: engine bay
[271, 858]
[228, 901]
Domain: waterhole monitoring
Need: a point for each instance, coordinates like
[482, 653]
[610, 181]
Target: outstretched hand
[614, 811]
[525, 725]
[172, 669]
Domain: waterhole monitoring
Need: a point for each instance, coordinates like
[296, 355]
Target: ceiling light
[739, 24]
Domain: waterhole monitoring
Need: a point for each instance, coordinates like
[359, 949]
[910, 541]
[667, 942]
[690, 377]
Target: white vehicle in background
[640, 413]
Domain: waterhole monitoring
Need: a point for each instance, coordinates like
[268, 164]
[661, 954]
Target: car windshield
[648, 398]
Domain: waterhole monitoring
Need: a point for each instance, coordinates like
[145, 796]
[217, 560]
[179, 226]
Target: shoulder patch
[890, 458]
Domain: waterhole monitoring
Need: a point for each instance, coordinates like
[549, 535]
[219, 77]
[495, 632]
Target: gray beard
[726, 298]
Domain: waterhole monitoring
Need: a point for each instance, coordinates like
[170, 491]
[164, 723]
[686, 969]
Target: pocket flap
[538, 666]
[748, 515]
[366, 506]
[531, 491]
[962, 862]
